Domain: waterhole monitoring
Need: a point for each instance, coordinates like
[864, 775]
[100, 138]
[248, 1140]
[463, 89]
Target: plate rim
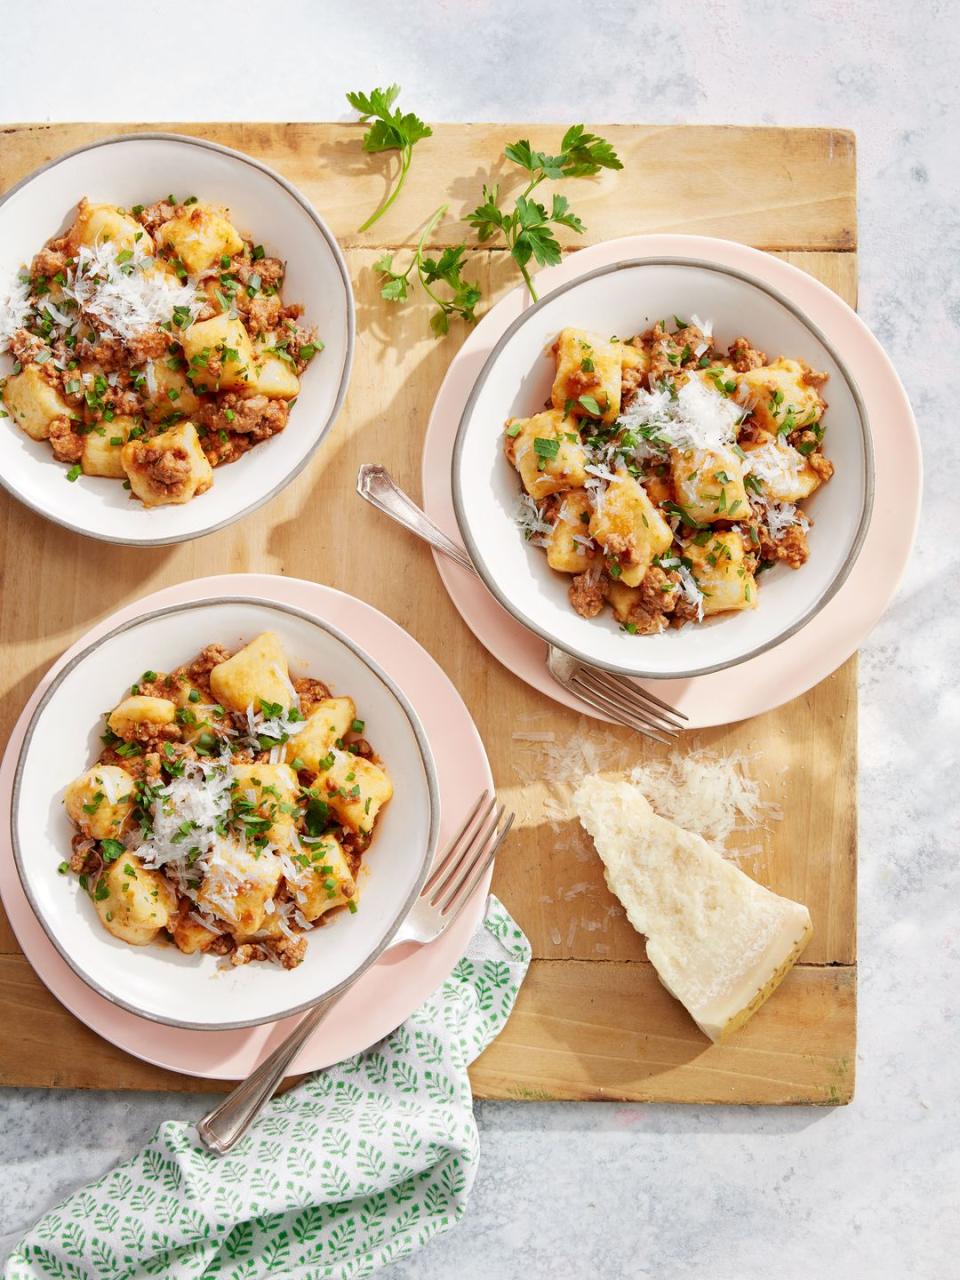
[867, 498]
[426, 757]
[345, 372]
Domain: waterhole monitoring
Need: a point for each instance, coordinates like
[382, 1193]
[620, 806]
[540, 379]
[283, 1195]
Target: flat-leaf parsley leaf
[528, 227]
[462, 298]
[390, 130]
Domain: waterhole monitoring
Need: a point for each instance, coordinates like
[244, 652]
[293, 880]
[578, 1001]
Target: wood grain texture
[593, 1020]
[773, 188]
[611, 1032]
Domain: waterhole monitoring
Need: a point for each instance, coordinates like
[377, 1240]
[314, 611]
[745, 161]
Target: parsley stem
[432, 223]
[529, 283]
[511, 237]
[534, 183]
[406, 156]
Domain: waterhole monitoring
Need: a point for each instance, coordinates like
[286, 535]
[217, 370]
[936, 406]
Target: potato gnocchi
[230, 808]
[664, 475]
[152, 345]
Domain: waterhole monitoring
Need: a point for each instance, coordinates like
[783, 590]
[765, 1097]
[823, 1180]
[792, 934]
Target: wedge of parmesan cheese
[720, 942]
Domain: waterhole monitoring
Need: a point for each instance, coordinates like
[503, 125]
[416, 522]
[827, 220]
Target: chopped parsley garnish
[316, 816]
[686, 518]
[546, 448]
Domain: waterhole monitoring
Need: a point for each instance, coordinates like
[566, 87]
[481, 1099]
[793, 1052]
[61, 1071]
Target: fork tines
[468, 856]
[627, 703]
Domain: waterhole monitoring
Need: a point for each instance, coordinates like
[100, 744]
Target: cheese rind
[720, 942]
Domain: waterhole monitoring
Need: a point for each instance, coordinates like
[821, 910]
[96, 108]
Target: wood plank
[590, 966]
[771, 187]
[46, 1047]
[611, 1032]
[579, 1031]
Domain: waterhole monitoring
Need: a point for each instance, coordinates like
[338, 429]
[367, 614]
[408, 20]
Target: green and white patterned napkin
[353, 1169]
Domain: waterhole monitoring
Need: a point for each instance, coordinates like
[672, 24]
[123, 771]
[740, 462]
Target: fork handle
[226, 1124]
[376, 485]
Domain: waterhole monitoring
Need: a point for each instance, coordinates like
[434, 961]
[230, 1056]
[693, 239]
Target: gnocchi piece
[588, 369]
[200, 236]
[133, 903]
[219, 353]
[100, 801]
[721, 575]
[630, 528]
[547, 452]
[192, 714]
[355, 789]
[328, 881]
[258, 673]
[709, 484]
[167, 468]
[632, 357]
[623, 600]
[102, 446]
[781, 396]
[171, 393]
[96, 223]
[138, 710]
[33, 402]
[780, 470]
[271, 376]
[270, 791]
[327, 725]
[564, 552]
[238, 886]
[190, 936]
[659, 486]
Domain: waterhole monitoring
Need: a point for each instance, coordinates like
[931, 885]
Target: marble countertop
[569, 1190]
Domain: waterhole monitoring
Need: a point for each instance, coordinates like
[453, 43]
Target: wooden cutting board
[592, 1020]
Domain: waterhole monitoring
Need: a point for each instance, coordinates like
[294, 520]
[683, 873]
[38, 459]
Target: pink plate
[403, 978]
[807, 657]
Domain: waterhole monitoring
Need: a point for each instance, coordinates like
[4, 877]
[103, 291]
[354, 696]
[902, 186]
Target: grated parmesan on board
[705, 791]
[702, 791]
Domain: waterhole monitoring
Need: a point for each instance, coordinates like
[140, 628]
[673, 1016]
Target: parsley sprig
[391, 130]
[528, 227]
[447, 269]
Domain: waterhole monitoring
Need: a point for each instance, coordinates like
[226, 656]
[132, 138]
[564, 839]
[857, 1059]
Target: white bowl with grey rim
[158, 981]
[139, 168]
[626, 298]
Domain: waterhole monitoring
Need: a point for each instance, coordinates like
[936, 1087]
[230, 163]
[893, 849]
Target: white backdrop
[660, 1192]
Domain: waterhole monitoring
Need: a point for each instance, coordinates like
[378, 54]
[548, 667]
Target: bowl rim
[426, 758]
[867, 496]
[161, 136]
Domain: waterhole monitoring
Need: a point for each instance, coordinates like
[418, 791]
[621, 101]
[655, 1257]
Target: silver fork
[615, 696]
[447, 891]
